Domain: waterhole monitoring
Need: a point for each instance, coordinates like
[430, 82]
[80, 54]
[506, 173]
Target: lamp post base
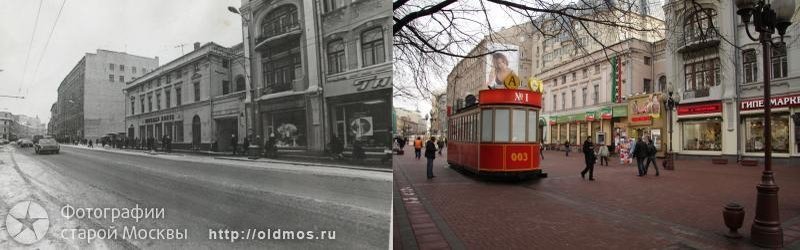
[766, 230]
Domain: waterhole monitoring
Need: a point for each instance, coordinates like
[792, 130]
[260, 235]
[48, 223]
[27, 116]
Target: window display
[754, 133]
[365, 121]
[562, 134]
[702, 135]
[584, 131]
[289, 128]
[573, 130]
[655, 135]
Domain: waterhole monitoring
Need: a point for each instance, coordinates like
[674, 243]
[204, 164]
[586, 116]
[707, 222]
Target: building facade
[6, 125]
[609, 96]
[90, 102]
[197, 100]
[439, 115]
[357, 82]
[717, 71]
[410, 123]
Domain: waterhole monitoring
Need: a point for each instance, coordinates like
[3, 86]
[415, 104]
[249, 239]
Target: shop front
[619, 124]
[785, 136]
[645, 119]
[359, 110]
[287, 119]
[700, 128]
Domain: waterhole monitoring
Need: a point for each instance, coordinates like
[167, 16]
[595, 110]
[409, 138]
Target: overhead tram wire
[30, 46]
[47, 42]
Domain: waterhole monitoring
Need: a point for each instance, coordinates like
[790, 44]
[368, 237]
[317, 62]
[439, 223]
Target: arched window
[336, 60]
[372, 48]
[662, 83]
[698, 25]
[240, 84]
[279, 21]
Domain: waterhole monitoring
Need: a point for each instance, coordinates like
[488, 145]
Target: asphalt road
[207, 195]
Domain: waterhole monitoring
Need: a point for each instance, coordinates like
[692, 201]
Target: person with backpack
[651, 156]
[430, 155]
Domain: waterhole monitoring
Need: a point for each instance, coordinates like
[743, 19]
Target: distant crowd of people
[643, 150]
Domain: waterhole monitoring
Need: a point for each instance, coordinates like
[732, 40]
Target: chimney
[196, 45]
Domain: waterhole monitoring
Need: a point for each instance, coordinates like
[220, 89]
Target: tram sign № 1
[511, 96]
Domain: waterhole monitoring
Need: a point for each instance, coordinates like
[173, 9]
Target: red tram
[498, 135]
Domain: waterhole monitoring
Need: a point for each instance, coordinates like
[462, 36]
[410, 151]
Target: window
[662, 83]
[224, 64]
[280, 21]
[754, 133]
[564, 79]
[178, 96]
[501, 126]
[196, 67]
[750, 65]
[121, 67]
[197, 92]
[563, 100]
[701, 75]
[555, 82]
[596, 93]
[226, 87]
[336, 59]
[705, 135]
[178, 131]
[597, 69]
[555, 102]
[111, 66]
[133, 105]
[698, 26]
[372, 50]
[646, 60]
[573, 76]
[111, 78]
[779, 65]
[648, 86]
[585, 72]
[133, 69]
[573, 99]
[518, 125]
[583, 96]
[486, 125]
[149, 103]
[158, 101]
[240, 85]
[532, 125]
[331, 5]
[167, 98]
[121, 78]
[169, 78]
[141, 100]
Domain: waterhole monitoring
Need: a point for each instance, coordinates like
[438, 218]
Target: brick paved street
[677, 210]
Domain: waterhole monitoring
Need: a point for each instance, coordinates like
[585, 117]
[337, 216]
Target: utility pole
[181, 46]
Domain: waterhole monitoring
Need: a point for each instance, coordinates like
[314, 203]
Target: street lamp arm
[747, 30]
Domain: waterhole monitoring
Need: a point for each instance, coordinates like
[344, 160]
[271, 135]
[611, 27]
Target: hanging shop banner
[700, 108]
[503, 66]
[552, 120]
[643, 109]
[775, 102]
[590, 116]
[605, 113]
[616, 87]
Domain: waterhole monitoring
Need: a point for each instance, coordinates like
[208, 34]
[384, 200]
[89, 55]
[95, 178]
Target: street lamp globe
[784, 10]
[745, 7]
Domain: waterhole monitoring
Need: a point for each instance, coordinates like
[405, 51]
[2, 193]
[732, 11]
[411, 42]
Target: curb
[307, 164]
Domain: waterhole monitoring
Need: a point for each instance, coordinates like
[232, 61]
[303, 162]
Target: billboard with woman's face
[502, 65]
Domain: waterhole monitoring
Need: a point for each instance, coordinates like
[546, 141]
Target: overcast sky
[141, 27]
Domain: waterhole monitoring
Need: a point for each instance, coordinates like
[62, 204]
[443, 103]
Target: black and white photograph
[255, 124]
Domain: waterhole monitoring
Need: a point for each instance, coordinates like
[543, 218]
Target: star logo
[27, 222]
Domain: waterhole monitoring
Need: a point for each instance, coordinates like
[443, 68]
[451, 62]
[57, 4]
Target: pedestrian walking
[430, 154]
[541, 149]
[169, 144]
[603, 153]
[234, 140]
[418, 147]
[441, 146]
[566, 147]
[651, 156]
[589, 158]
[358, 150]
[640, 152]
[245, 145]
[90, 144]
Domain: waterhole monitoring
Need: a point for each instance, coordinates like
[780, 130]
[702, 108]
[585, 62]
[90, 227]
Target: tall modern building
[197, 100]
[320, 69]
[90, 102]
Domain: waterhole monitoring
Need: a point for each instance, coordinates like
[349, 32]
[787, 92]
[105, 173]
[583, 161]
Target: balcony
[694, 41]
[278, 34]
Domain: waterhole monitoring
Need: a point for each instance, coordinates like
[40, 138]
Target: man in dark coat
[430, 154]
[651, 156]
[566, 147]
[640, 152]
[589, 158]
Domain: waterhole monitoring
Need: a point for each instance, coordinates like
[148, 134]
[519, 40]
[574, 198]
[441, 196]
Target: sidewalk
[678, 209]
[229, 157]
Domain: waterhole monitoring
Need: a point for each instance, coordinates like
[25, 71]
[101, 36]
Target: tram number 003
[519, 156]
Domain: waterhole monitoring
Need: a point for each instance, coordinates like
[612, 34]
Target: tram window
[532, 124]
[486, 125]
[501, 126]
[518, 125]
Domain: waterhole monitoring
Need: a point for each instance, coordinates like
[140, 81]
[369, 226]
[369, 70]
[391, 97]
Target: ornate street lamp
[767, 16]
[670, 103]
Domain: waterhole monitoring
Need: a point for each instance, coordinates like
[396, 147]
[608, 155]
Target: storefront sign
[590, 116]
[642, 109]
[775, 102]
[162, 118]
[700, 108]
[510, 96]
[371, 84]
[606, 114]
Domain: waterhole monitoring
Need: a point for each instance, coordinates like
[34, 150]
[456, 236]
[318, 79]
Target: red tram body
[499, 135]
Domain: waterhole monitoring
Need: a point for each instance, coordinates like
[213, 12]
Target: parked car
[24, 143]
[3, 141]
[47, 145]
